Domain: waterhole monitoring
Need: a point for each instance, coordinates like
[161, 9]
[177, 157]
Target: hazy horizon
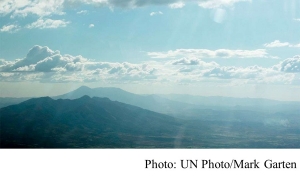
[51, 91]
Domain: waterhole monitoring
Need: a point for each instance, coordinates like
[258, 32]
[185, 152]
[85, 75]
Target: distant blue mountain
[150, 102]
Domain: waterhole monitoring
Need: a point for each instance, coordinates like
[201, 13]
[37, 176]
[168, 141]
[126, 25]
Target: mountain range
[113, 118]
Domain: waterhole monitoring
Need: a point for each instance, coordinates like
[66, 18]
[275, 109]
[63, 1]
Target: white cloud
[205, 53]
[3, 62]
[235, 72]
[8, 6]
[290, 65]
[10, 28]
[91, 26]
[82, 12]
[48, 23]
[297, 19]
[156, 13]
[36, 54]
[193, 61]
[277, 43]
[36, 7]
[177, 5]
[186, 61]
[213, 4]
[189, 67]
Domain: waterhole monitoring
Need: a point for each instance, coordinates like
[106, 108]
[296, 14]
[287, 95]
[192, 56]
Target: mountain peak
[85, 97]
[84, 88]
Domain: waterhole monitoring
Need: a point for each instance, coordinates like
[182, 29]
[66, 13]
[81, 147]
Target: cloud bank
[45, 65]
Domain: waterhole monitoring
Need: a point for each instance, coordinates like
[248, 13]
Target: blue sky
[239, 48]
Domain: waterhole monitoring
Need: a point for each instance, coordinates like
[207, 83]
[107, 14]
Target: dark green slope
[84, 122]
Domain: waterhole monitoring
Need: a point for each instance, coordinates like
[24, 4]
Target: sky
[236, 48]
